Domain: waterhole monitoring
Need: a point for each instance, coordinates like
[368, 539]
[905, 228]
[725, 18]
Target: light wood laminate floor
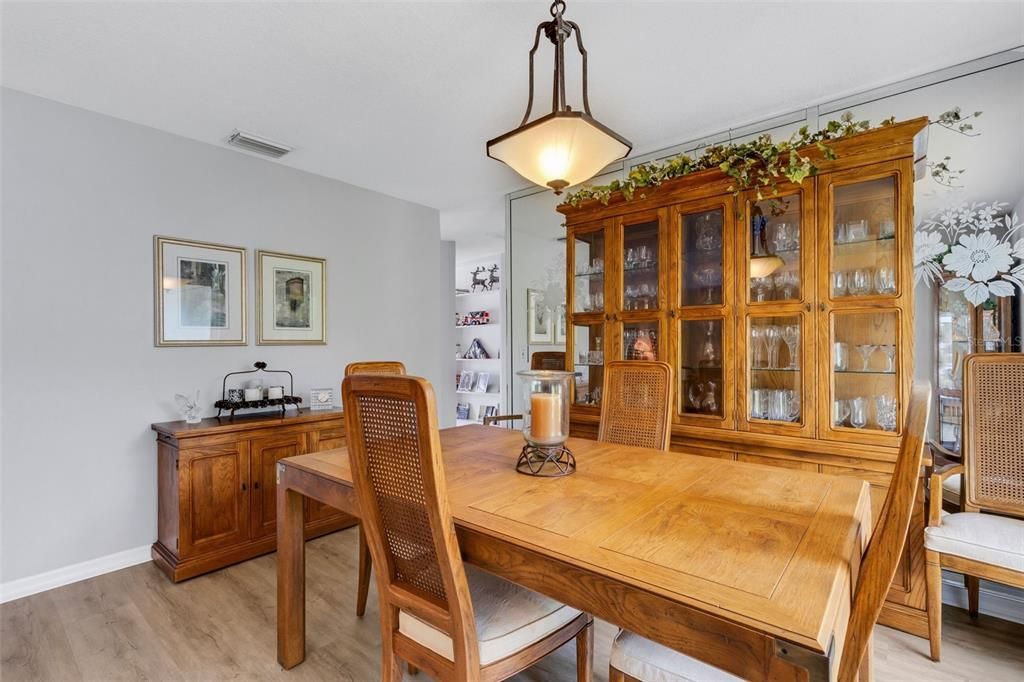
[135, 624]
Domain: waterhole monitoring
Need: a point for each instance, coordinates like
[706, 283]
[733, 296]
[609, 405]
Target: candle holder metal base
[550, 462]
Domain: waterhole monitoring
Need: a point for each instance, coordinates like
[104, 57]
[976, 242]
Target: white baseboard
[33, 584]
[1005, 605]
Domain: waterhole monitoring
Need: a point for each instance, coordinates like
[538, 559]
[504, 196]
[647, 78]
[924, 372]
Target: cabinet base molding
[905, 619]
[178, 570]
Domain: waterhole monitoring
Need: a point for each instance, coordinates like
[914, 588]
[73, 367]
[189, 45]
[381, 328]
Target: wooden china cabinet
[807, 368]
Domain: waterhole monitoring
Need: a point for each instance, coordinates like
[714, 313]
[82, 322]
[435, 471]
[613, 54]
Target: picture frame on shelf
[321, 399]
[490, 411]
[291, 299]
[199, 293]
[538, 319]
[482, 380]
[462, 411]
[466, 381]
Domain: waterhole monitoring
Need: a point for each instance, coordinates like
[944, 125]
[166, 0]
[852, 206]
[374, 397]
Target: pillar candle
[546, 417]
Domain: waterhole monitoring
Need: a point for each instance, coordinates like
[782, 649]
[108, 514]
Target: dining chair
[452, 621]
[365, 560]
[635, 659]
[986, 538]
[550, 360]
[637, 404]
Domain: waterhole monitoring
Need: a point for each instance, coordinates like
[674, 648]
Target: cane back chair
[449, 620]
[635, 659]
[985, 539]
[365, 560]
[637, 404]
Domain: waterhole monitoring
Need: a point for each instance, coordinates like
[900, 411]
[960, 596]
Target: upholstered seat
[508, 619]
[649, 661]
[990, 539]
[951, 490]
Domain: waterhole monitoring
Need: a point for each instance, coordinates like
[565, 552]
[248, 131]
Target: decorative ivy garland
[762, 164]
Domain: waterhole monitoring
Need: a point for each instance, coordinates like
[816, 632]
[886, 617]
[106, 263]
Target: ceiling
[401, 97]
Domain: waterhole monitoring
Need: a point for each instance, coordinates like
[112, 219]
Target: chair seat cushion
[990, 539]
[649, 661]
[951, 490]
[509, 618]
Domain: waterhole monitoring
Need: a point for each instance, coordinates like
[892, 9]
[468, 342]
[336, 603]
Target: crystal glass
[857, 230]
[784, 405]
[840, 412]
[708, 349]
[759, 403]
[860, 282]
[791, 337]
[546, 399]
[841, 356]
[761, 288]
[710, 278]
[840, 282]
[890, 356]
[885, 279]
[773, 337]
[858, 412]
[709, 235]
[588, 254]
[758, 345]
[785, 236]
[866, 350]
[701, 257]
[885, 412]
[703, 397]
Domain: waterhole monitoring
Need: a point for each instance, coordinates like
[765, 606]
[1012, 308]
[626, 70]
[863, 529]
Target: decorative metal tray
[225, 404]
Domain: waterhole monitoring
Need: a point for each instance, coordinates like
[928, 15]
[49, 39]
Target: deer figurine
[477, 280]
[492, 277]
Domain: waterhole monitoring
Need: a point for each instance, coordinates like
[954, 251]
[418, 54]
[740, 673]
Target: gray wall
[83, 196]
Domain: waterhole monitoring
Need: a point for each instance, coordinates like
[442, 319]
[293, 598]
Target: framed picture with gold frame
[199, 293]
[291, 299]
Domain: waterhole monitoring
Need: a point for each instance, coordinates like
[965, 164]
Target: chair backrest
[993, 433]
[878, 565]
[397, 471]
[636, 404]
[551, 359]
[375, 367]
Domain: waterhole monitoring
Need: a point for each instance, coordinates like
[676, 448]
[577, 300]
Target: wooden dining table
[747, 567]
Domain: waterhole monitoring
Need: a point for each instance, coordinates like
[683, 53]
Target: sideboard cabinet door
[214, 483]
[265, 452]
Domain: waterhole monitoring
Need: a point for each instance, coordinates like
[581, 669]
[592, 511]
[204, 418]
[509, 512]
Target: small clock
[321, 399]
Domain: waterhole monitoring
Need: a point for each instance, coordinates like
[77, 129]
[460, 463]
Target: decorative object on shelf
[275, 392]
[565, 147]
[493, 279]
[476, 351]
[482, 379]
[980, 243]
[321, 398]
[462, 411]
[466, 381]
[538, 319]
[189, 407]
[560, 316]
[252, 394]
[546, 399]
[762, 262]
[291, 299]
[474, 318]
[200, 293]
[490, 411]
[478, 279]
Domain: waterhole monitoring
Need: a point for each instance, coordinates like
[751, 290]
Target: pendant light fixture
[762, 261]
[565, 147]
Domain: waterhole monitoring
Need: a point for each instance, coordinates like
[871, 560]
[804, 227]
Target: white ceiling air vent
[260, 145]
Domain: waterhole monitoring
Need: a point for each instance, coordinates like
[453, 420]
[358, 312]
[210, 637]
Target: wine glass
[858, 412]
[866, 350]
[773, 337]
[860, 282]
[791, 337]
[890, 356]
[707, 277]
[783, 239]
[762, 288]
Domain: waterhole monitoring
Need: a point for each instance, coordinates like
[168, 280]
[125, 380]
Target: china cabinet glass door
[588, 355]
[588, 274]
[639, 297]
[863, 314]
[777, 336]
[702, 301]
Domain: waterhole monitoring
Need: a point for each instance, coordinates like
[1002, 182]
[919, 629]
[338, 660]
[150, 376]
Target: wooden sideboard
[217, 489]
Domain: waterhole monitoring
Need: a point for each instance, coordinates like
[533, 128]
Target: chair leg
[585, 653]
[972, 595]
[933, 587]
[364, 574]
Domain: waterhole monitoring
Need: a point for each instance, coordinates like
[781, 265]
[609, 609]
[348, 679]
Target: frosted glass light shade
[559, 150]
[762, 266]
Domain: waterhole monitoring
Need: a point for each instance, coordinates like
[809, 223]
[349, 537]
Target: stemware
[708, 238]
[597, 266]
[785, 284]
[758, 344]
[841, 234]
[890, 356]
[791, 337]
[759, 398]
[858, 412]
[841, 356]
[707, 277]
[860, 282]
[840, 412]
[773, 337]
[630, 294]
[630, 258]
[885, 412]
[839, 283]
[783, 239]
[710, 401]
[762, 287]
[866, 350]
[857, 231]
[708, 350]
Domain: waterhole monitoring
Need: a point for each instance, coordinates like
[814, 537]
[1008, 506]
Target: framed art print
[291, 299]
[538, 319]
[199, 293]
[465, 381]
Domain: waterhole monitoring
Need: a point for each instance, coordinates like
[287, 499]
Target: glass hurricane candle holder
[545, 423]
